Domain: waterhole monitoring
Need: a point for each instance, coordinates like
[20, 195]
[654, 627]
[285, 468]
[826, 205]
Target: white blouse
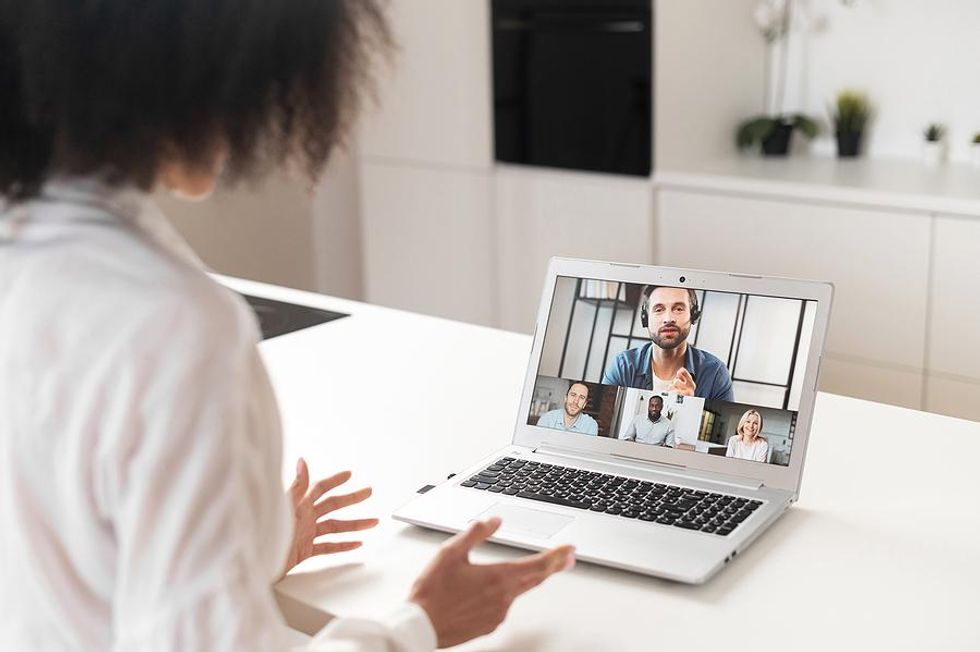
[141, 503]
[757, 451]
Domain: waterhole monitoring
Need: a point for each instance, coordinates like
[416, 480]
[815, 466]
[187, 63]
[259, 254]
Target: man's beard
[682, 334]
[568, 411]
[654, 415]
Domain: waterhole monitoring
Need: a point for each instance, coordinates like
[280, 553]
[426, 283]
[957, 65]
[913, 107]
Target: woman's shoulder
[199, 312]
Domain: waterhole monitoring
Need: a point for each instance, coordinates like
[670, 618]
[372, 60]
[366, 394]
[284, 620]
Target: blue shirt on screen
[631, 368]
[583, 424]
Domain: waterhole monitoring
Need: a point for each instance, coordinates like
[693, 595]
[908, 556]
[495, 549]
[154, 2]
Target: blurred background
[829, 139]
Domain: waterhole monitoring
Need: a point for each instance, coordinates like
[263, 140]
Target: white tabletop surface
[882, 552]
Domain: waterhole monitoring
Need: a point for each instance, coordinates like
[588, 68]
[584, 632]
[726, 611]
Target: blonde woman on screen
[747, 443]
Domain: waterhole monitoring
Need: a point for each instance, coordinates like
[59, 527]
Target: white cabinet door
[541, 214]
[878, 262]
[885, 384]
[434, 97]
[955, 397]
[954, 317]
[953, 376]
[428, 241]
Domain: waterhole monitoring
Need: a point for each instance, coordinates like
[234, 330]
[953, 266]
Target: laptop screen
[709, 372]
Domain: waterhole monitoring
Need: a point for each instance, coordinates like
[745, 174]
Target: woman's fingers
[334, 526]
[524, 574]
[302, 482]
[333, 503]
[331, 548]
[325, 485]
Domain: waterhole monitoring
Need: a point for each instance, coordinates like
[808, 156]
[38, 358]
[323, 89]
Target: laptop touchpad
[526, 522]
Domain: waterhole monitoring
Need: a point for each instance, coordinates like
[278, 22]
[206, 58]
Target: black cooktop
[278, 317]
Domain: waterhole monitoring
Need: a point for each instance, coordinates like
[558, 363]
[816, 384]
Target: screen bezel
[771, 475]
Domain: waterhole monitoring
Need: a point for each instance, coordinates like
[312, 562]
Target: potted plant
[850, 116]
[773, 133]
[773, 130]
[975, 149]
[934, 150]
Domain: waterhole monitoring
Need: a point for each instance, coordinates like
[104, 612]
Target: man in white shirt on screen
[653, 427]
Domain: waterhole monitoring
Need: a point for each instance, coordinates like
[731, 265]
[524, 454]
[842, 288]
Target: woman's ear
[192, 181]
[192, 184]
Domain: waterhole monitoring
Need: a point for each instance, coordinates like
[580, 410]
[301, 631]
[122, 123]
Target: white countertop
[881, 552]
[896, 185]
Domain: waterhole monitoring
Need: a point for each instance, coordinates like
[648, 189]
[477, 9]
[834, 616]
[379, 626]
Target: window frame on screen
[769, 475]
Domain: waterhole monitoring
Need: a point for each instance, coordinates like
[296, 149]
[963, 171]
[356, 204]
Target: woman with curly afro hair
[141, 505]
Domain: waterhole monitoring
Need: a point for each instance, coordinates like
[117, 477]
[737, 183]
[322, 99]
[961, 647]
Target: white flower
[770, 18]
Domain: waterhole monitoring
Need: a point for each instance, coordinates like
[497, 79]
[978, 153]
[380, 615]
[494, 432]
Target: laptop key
[555, 500]
[496, 489]
[468, 483]
[482, 485]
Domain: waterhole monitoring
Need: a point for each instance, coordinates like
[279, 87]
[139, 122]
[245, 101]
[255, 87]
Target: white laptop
[663, 423]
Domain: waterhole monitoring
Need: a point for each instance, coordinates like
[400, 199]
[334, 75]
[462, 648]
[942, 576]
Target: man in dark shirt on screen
[667, 363]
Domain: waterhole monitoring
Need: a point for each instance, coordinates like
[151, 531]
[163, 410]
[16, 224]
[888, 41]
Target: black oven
[572, 84]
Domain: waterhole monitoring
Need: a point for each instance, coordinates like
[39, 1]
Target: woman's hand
[308, 513]
[464, 600]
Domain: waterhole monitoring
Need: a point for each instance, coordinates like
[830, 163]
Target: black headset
[648, 290]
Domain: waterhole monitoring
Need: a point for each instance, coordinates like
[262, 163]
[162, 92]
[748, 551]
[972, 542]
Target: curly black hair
[121, 87]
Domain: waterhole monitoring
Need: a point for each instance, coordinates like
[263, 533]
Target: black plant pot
[849, 143]
[777, 142]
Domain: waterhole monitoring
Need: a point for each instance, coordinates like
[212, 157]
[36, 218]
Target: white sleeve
[195, 496]
[630, 434]
[406, 630]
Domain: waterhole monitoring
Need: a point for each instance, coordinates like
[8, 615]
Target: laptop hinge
[637, 463]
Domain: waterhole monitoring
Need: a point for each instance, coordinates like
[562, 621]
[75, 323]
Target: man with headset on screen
[667, 363]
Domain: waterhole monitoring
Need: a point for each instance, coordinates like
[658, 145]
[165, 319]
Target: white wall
[280, 231]
[916, 59]
[261, 231]
[709, 69]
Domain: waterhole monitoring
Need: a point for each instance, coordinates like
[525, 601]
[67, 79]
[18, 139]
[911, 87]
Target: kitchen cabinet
[877, 260]
[953, 373]
[543, 213]
[874, 382]
[428, 241]
[433, 97]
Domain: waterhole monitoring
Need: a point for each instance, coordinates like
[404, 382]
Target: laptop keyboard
[617, 495]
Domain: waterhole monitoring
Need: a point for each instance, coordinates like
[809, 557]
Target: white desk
[882, 552]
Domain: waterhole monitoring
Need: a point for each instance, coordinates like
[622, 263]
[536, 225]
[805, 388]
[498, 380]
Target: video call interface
[704, 371]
